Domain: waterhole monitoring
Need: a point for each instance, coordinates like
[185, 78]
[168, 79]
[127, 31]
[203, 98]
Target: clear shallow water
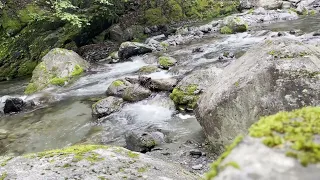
[65, 118]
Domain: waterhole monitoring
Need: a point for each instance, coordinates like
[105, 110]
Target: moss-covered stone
[296, 130]
[226, 30]
[185, 96]
[166, 62]
[117, 83]
[58, 81]
[148, 69]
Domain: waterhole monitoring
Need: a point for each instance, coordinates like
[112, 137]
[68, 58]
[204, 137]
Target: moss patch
[80, 152]
[132, 154]
[148, 69]
[4, 163]
[3, 175]
[216, 166]
[295, 131]
[166, 62]
[117, 83]
[185, 96]
[226, 30]
[31, 88]
[78, 70]
[58, 81]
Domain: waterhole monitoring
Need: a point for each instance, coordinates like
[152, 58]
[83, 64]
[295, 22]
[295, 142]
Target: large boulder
[90, 162]
[276, 75]
[267, 4]
[106, 106]
[128, 91]
[281, 146]
[58, 68]
[129, 49]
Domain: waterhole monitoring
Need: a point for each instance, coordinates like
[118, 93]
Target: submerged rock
[128, 91]
[277, 147]
[58, 68]
[129, 49]
[106, 106]
[90, 162]
[276, 75]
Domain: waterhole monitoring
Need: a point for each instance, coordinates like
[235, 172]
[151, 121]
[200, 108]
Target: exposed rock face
[273, 151]
[90, 162]
[97, 52]
[268, 4]
[129, 49]
[274, 76]
[58, 67]
[106, 106]
[128, 91]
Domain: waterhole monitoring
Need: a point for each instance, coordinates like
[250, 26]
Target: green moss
[78, 70]
[148, 69]
[132, 154]
[80, 152]
[165, 62]
[295, 130]
[154, 16]
[26, 68]
[313, 12]
[250, 11]
[142, 169]
[185, 96]
[31, 88]
[118, 83]
[226, 30]
[4, 163]
[67, 165]
[216, 166]
[3, 176]
[58, 81]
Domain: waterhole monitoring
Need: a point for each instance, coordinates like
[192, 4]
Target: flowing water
[65, 117]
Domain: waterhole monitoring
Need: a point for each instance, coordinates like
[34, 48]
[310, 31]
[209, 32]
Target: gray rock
[148, 69]
[276, 75]
[140, 142]
[91, 162]
[166, 62]
[129, 49]
[136, 93]
[3, 134]
[115, 33]
[128, 91]
[267, 4]
[163, 84]
[58, 68]
[304, 5]
[106, 106]
[286, 5]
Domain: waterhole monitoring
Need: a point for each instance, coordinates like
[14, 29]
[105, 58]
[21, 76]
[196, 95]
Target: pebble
[197, 167]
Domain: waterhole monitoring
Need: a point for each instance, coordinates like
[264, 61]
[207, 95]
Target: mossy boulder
[148, 69]
[280, 146]
[233, 24]
[106, 106]
[185, 97]
[90, 162]
[166, 62]
[57, 68]
[128, 91]
[259, 84]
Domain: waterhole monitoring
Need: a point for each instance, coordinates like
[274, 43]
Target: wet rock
[233, 24]
[136, 93]
[106, 106]
[97, 52]
[197, 50]
[148, 69]
[140, 142]
[163, 84]
[166, 62]
[128, 91]
[90, 162]
[316, 33]
[129, 49]
[286, 5]
[57, 68]
[13, 105]
[276, 75]
[195, 152]
[256, 156]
